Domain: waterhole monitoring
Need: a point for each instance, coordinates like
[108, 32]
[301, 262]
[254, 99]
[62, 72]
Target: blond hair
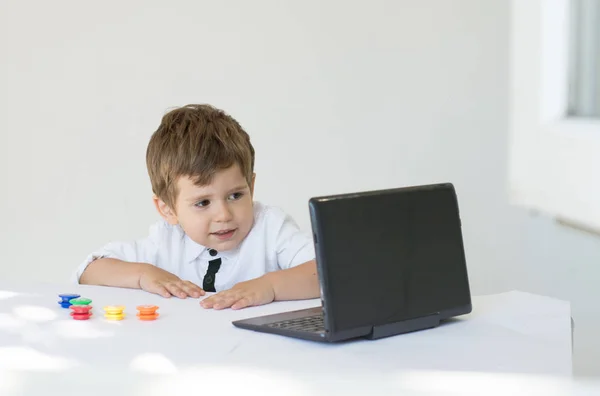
[196, 140]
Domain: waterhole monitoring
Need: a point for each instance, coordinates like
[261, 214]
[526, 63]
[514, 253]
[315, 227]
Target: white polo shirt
[275, 242]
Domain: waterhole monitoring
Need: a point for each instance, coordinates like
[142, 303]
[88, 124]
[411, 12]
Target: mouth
[224, 234]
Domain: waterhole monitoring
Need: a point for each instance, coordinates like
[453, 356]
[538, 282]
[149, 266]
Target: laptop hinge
[405, 326]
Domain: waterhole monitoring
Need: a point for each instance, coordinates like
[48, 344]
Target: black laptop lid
[391, 255]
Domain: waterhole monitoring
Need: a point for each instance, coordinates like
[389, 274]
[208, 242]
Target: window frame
[554, 159]
[584, 58]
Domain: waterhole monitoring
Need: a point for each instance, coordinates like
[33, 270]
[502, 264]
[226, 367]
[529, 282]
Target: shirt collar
[194, 250]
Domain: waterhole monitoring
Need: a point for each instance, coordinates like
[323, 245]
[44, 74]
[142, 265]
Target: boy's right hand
[164, 283]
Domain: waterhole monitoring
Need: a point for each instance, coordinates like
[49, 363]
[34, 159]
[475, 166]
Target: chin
[227, 245]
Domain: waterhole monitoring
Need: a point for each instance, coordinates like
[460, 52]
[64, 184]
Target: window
[554, 139]
[584, 59]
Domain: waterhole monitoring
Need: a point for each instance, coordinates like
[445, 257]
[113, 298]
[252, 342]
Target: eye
[236, 196]
[202, 204]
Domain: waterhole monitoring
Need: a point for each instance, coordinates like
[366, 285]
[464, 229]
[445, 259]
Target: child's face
[219, 215]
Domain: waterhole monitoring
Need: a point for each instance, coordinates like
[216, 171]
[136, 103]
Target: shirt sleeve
[294, 247]
[139, 251]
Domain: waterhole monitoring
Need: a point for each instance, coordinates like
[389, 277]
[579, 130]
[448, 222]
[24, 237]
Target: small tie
[208, 284]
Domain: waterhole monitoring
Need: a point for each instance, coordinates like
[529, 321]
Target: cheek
[194, 220]
[247, 215]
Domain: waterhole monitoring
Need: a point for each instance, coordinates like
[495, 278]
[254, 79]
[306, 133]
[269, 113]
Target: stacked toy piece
[114, 312]
[147, 312]
[81, 308]
[65, 299]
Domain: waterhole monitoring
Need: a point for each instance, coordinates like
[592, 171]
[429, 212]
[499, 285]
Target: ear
[252, 184]
[165, 211]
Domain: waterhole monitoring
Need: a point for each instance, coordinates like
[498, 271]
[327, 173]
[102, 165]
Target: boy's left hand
[257, 291]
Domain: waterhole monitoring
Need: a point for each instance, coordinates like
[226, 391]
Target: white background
[337, 97]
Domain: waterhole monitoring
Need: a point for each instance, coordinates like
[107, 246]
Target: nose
[223, 213]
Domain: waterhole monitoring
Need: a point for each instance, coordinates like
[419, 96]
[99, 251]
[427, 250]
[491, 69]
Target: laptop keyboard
[311, 324]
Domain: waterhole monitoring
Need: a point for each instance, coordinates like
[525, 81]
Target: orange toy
[147, 312]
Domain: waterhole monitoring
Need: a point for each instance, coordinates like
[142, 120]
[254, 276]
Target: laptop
[389, 262]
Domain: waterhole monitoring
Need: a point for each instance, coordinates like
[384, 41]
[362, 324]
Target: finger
[159, 289]
[242, 303]
[192, 289]
[209, 302]
[175, 290]
[218, 299]
[227, 301]
[224, 303]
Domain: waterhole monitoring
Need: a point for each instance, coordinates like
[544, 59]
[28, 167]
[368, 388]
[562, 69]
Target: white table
[509, 333]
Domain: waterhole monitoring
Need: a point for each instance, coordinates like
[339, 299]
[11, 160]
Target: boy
[213, 236]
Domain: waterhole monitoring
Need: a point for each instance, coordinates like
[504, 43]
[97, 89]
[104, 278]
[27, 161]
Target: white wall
[337, 96]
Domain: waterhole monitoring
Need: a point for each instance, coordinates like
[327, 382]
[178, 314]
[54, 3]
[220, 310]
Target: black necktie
[208, 284]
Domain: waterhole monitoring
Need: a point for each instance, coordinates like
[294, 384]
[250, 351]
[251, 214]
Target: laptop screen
[387, 256]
